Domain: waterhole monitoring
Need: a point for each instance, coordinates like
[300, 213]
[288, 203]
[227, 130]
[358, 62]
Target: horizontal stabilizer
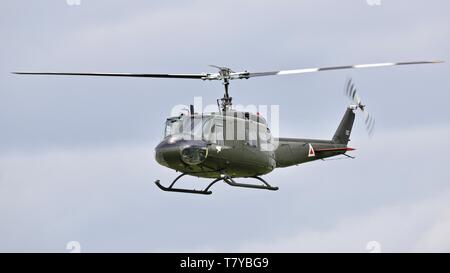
[346, 149]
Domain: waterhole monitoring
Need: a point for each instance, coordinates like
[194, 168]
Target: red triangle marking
[311, 151]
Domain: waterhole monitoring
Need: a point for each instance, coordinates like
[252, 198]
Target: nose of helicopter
[174, 154]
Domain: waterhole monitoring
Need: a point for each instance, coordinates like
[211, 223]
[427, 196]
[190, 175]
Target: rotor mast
[225, 76]
[226, 100]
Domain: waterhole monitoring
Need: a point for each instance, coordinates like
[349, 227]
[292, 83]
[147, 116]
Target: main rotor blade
[310, 70]
[176, 76]
[230, 75]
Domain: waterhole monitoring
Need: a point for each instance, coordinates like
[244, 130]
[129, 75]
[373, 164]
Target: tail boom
[294, 151]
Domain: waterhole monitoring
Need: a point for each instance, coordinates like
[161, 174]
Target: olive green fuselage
[239, 159]
[239, 144]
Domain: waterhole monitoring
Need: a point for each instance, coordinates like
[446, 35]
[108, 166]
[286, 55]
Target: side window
[252, 133]
[265, 138]
[229, 133]
[262, 133]
[212, 134]
[241, 132]
[218, 134]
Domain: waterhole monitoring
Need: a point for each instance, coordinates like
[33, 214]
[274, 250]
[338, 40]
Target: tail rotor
[351, 92]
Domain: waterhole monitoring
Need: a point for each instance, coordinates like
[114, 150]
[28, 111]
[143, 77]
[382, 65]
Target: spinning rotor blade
[319, 69]
[350, 91]
[173, 76]
[369, 120]
[370, 123]
[226, 73]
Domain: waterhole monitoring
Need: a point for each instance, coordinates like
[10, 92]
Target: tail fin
[342, 134]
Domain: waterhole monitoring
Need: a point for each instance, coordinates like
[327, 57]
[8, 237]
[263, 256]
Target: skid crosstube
[226, 178]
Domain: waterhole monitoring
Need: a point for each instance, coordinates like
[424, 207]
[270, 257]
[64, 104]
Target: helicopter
[231, 144]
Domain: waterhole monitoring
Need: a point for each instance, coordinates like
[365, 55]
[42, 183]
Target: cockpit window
[197, 127]
[193, 127]
[173, 127]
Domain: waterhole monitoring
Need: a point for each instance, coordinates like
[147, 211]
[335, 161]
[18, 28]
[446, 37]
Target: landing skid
[227, 179]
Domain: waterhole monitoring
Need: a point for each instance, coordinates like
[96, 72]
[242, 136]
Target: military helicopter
[230, 144]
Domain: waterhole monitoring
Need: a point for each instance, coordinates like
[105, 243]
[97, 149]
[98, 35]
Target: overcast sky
[77, 154]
